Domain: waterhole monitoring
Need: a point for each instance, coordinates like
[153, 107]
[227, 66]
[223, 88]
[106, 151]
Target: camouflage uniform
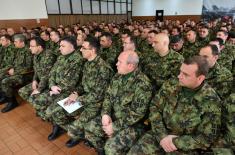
[22, 65]
[190, 49]
[192, 115]
[202, 42]
[55, 49]
[96, 76]
[227, 58]
[163, 68]
[126, 102]
[49, 44]
[42, 64]
[220, 79]
[143, 46]
[65, 74]
[8, 55]
[109, 55]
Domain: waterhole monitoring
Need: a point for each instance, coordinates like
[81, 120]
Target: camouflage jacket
[23, 61]
[192, 115]
[229, 120]
[127, 99]
[220, 79]
[109, 55]
[8, 55]
[164, 68]
[190, 49]
[67, 71]
[42, 64]
[95, 79]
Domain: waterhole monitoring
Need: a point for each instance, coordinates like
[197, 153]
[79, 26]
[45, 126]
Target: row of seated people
[111, 118]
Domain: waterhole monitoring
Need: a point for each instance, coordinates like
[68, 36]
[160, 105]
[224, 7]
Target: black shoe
[88, 143]
[56, 132]
[72, 142]
[10, 105]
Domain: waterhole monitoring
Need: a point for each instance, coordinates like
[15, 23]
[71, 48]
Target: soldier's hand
[167, 143]
[11, 71]
[72, 98]
[106, 120]
[35, 91]
[108, 130]
[34, 85]
[55, 90]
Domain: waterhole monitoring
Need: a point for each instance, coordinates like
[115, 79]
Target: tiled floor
[22, 133]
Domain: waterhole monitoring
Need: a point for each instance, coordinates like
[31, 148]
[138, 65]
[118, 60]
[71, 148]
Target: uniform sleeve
[138, 108]
[24, 64]
[155, 117]
[49, 62]
[207, 131]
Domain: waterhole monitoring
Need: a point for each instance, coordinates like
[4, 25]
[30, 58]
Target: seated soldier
[42, 63]
[95, 79]
[63, 77]
[7, 54]
[185, 115]
[219, 77]
[124, 107]
[17, 73]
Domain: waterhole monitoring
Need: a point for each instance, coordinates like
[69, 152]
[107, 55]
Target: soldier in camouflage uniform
[43, 61]
[64, 76]
[219, 77]
[108, 52]
[124, 107]
[17, 73]
[204, 37]
[185, 114]
[55, 38]
[45, 35]
[191, 47]
[96, 76]
[7, 56]
[164, 66]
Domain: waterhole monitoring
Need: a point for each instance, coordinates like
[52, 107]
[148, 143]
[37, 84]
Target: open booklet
[70, 108]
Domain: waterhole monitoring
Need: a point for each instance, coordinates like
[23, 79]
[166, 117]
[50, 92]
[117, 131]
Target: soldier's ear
[201, 78]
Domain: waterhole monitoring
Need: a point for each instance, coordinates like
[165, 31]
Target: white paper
[70, 108]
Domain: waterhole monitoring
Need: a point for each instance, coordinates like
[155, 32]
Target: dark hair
[46, 32]
[56, 32]
[126, 31]
[201, 62]
[221, 42]
[93, 42]
[153, 31]
[81, 29]
[71, 40]
[224, 32]
[107, 35]
[7, 36]
[39, 42]
[214, 49]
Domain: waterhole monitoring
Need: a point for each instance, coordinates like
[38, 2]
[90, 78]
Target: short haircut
[7, 36]
[21, 37]
[39, 42]
[126, 31]
[71, 40]
[93, 43]
[221, 42]
[214, 49]
[133, 58]
[153, 31]
[201, 62]
[81, 29]
[107, 35]
[224, 32]
[46, 32]
[56, 32]
[132, 40]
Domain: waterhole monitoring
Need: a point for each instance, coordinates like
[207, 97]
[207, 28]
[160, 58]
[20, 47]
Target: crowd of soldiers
[147, 87]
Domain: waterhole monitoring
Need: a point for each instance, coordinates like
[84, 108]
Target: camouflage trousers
[76, 128]
[8, 84]
[3, 75]
[41, 102]
[148, 145]
[120, 143]
[25, 93]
